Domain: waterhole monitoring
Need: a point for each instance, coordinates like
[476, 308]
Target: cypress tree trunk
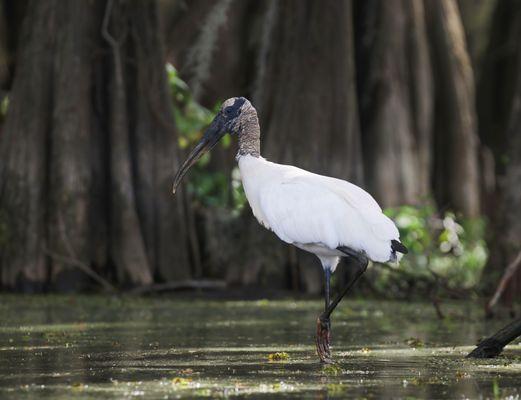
[507, 227]
[11, 16]
[4, 54]
[508, 231]
[396, 99]
[88, 150]
[306, 98]
[421, 89]
[24, 154]
[68, 138]
[500, 129]
[477, 18]
[213, 44]
[456, 177]
[153, 139]
[496, 87]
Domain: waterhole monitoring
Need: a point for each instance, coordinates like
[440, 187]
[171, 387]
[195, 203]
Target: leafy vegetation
[444, 250]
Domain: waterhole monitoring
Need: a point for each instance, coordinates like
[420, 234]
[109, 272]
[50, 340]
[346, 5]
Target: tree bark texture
[23, 176]
[307, 99]
[499, 71]
[477, 17]
[508, 224]
[90, 122]
[396, 102]
[500, 111]
[456, 175]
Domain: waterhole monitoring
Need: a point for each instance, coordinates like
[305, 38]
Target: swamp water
[163, 347]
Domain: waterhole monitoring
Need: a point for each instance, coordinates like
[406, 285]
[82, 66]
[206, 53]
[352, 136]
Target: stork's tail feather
[399, 247]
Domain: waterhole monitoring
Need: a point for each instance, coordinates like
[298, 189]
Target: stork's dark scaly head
[230, 119]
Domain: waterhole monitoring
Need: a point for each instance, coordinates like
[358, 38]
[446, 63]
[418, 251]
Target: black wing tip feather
[399, 247]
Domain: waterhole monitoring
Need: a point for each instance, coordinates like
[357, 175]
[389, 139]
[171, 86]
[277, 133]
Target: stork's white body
[316, 213]
[328, 217]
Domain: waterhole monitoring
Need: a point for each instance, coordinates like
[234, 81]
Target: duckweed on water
[414, 342]
[82, 347]
[332, 369]
[279, 356]
[181, 381]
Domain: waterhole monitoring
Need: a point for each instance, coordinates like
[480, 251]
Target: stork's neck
[249, 136]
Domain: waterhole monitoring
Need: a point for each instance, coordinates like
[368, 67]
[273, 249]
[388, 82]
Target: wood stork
[328, 217]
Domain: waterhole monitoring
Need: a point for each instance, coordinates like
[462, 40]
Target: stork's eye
[228, 110]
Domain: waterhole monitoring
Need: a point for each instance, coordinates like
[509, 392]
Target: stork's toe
[323, 339]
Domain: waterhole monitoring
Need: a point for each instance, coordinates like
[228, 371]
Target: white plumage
[328, 217]
[316, 213]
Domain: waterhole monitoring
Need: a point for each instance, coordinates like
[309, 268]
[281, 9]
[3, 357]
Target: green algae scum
[63, 347]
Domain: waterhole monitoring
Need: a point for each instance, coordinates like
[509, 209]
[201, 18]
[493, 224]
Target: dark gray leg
[323, 338]
[327, 278]
[362, 267]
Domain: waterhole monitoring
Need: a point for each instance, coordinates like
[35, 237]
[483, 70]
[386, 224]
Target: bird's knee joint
[324, 320]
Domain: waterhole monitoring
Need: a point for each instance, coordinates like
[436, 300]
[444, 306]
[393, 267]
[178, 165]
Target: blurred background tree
[416, 101]
[89, 122]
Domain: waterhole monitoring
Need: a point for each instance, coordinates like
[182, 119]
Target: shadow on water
[111, 347]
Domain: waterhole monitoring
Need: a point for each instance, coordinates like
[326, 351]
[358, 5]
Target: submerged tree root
[493, 346]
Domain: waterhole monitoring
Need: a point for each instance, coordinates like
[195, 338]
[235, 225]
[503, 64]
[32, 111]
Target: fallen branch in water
[493, 345]
[503, 283]
[179, 285]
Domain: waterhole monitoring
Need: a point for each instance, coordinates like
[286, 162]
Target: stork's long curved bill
[210, 138]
